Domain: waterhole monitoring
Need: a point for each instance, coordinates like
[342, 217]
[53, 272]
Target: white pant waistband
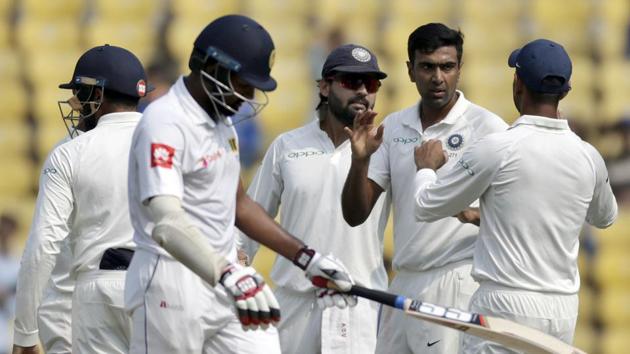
[435, 271]
[101, 274]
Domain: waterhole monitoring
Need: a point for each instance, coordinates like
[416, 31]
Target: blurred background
[40, 42]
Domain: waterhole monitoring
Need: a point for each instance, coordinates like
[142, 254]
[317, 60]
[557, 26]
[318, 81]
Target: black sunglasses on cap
[355, 81]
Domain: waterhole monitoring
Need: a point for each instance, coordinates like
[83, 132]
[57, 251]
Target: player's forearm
[254, 222]
[357, 198]
[175, 233]
[32, 279]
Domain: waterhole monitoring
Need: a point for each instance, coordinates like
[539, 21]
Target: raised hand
[365, 138]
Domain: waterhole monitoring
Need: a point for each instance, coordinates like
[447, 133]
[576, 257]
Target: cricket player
[303, 172]
[432, 259]
[54, 317]
[84, 200]
[537, 183]
[186, 199]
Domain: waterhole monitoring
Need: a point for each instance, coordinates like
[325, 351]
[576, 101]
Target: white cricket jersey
[179, 150]
[537, 183]
[421, 246]
[82, 197]
[303, 173]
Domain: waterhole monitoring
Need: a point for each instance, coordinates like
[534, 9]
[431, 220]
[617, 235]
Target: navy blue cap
[114, 68]
[352, 58]
[540, 59]
[241, 45]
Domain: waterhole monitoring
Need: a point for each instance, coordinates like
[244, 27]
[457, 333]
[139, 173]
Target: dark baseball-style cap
[242, 45]
[114, 68]
[540, 59]
[352, 58]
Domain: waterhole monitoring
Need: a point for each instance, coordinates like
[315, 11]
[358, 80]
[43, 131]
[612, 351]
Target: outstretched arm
[252, 219]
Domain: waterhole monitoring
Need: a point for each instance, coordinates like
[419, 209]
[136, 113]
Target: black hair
[548, 98]
[121, 99]
[428, 38]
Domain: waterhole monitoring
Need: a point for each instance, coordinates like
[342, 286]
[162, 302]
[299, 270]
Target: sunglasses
[354, 82]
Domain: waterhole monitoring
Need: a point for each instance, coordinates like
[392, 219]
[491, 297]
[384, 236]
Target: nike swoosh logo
[429, 344]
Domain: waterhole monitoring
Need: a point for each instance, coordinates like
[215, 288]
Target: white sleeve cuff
[25, 340]
[424, 176]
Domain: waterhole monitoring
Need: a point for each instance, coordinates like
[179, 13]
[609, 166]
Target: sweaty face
[348, 96]
[436, 75]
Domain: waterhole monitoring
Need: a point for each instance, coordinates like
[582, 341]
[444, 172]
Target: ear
[324, 87]
[98, 93]
[410, 71]
[518, 84]
[564, 94]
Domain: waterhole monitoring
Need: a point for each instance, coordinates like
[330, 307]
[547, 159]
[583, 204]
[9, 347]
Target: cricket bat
[502, 331]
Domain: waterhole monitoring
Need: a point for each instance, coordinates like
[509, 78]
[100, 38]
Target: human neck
[193, 85]
[430, 116]
[332, 127]
[542, 110]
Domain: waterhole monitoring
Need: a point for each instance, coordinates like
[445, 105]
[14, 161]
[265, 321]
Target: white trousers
[448, 286]
[100, 323]
[54, 319]
[307, 329]
[175, 311]
[554, 314]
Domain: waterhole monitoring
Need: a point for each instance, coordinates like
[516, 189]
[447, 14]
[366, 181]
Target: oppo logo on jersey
[405, 140]
[300, 154]
[49, 170]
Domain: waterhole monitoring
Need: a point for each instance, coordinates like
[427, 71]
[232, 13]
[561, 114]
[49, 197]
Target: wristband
[303, 257]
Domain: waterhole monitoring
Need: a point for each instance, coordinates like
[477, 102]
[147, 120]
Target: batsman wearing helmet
[186, 199]
[83, 198]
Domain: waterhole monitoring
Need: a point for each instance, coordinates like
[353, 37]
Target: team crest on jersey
[162, 155]
[455, 141]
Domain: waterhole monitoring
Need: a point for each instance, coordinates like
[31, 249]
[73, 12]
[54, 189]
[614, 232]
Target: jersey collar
[194, 111]
[119, 117]
[551, 123]
[411, 118]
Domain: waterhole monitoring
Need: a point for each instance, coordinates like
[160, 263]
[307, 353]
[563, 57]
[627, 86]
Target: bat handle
[382, 297]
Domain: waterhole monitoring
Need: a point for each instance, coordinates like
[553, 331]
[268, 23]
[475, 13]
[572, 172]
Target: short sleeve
[157, 156]
[379, 170]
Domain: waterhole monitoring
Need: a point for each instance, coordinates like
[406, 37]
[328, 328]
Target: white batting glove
[316, 265]
[256, 304]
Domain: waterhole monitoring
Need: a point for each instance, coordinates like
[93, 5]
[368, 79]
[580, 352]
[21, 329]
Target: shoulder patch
[162, 155]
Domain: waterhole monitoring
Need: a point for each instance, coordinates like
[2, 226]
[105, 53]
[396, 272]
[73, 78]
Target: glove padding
[329, 298]
[331, 268]
[256, 304]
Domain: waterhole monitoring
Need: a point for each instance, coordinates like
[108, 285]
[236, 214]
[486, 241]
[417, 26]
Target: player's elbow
[354, 219]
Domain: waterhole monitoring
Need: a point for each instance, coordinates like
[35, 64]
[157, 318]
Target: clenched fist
[430, 155]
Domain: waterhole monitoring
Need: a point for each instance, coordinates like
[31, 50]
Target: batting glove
[256, 304]
[316, 265]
